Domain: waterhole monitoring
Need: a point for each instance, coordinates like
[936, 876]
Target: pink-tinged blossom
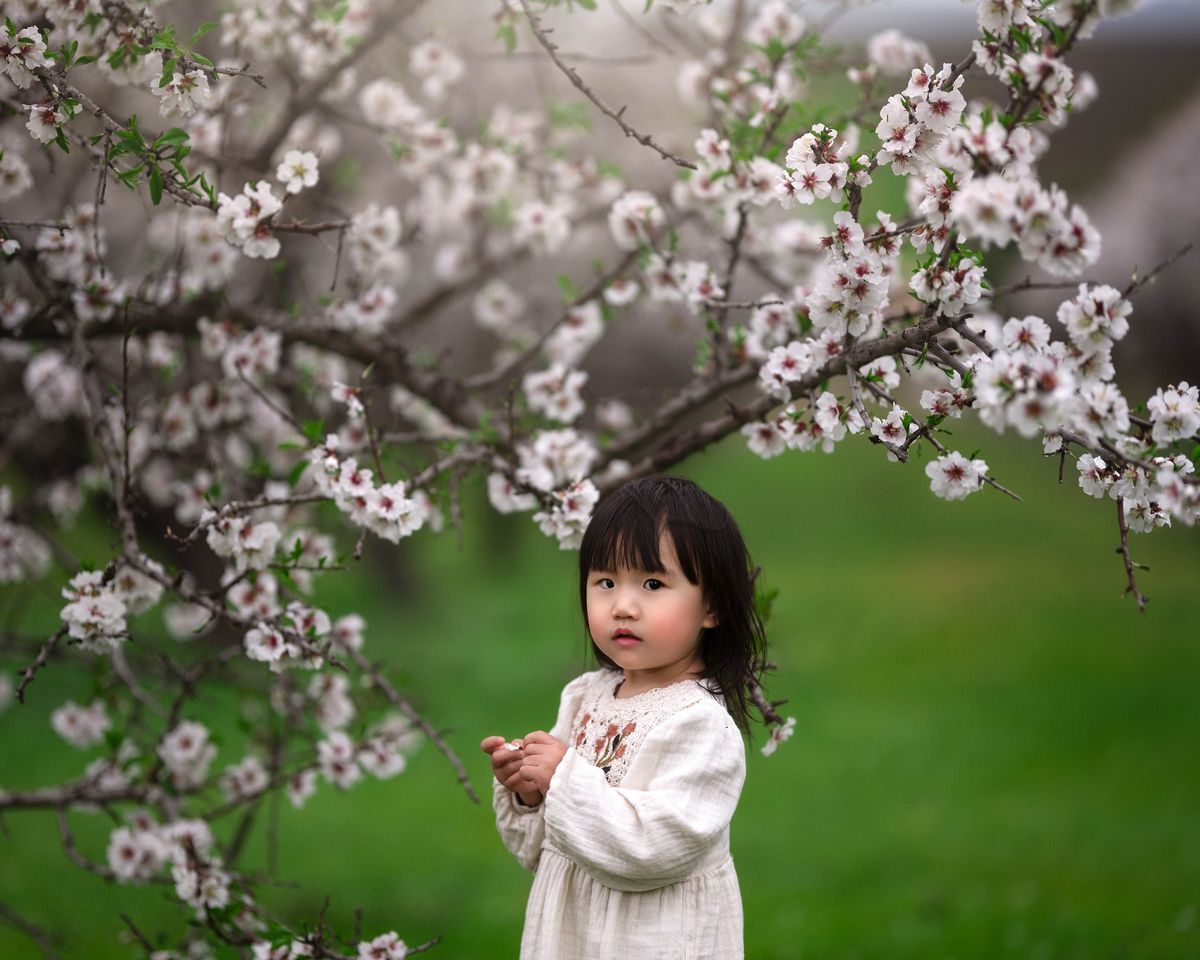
[506, 497]
[95, 615]
[772, 325]
[1030, 392]
[250, 545]
[241, 781]
[204, 886]
[1104, 412]
[301, 786]
[255, 597]
[779, 734]
[542, 227]
[54, 385]
[1175, 493]
[387, 946]
[881, 371]
[1175, 412]
[22, 53]
[785, 365]
[15, 179]
[347, 631]
[24, 555]
[621, 292]
[834, 419]
[184, 93]
[569, 513]
[438, 67]
[996, 16]
[81, 727]
[1028, 336]
[954, 477]
[891, 429]
[498, 307]
[986, 207]
[336, 756]
[894, 54]
[775, 20]
[953, 288]
[1143, 515]
[380, 758]
[135, 856]
[578, 331]
[267, 644]
[766, 439]
[331, 703]
[186, 754]
[244, 220]
[555, 458]
[949, 401]
[635, 219]
[555, 392]
[847, 237]
[1096, 317]
[385, 103]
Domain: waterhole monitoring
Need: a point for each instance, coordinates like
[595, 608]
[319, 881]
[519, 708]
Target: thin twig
[28, 673]
[1123, 550]
[617, 115]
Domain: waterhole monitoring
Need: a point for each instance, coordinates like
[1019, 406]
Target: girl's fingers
[489, 744]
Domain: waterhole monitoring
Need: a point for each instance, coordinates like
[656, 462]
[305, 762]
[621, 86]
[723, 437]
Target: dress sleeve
[524, 828]
[643, 839]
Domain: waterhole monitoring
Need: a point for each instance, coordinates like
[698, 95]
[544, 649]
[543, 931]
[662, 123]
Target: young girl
[622, 810]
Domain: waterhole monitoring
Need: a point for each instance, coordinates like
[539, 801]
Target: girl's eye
[653, 584]
[604, 583]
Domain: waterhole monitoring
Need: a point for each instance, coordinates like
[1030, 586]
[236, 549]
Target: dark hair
[624, 532]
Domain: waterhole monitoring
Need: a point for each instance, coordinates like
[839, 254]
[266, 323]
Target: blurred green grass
[995, 753]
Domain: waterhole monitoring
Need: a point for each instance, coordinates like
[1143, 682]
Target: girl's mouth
[623, 638]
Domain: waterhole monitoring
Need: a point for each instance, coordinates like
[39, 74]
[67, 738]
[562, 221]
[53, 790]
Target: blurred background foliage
[995, 753]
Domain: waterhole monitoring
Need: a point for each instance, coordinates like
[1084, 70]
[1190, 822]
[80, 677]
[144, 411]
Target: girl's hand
[542, 753]
[506, 766]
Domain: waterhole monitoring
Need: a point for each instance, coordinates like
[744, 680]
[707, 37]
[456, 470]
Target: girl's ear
[710, 619]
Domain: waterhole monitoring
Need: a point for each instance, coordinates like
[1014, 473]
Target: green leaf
[156, 184]
[200, 59]
[508, 33]
[174, 135]
[201, 30]
[567, 286]
[296, 473]
[314, 430]
[84, 61]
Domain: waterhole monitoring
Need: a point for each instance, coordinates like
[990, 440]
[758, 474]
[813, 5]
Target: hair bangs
[625, 538]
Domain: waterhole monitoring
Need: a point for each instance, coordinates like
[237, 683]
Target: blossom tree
[203, 331]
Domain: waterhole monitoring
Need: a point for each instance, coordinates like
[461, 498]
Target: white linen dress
[630, 848]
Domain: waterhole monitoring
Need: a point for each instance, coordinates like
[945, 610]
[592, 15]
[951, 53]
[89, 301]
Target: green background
[995, 753]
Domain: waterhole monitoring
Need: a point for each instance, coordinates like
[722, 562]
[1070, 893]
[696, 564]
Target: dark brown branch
[30, 671]
[1123, 550]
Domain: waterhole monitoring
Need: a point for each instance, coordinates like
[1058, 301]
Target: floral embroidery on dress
[608, 731]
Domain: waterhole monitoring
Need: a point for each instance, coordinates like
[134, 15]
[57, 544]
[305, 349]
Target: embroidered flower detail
[611, 746]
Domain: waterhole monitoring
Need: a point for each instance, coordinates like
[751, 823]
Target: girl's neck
[636, 682]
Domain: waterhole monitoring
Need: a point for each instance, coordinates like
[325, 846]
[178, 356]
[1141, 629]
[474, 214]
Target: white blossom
[954, 477]
[778, 734]
[297, 170]
[81, 727]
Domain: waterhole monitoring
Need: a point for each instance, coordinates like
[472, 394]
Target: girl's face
[648, 623]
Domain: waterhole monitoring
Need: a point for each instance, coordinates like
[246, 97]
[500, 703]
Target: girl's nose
[624, 605]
